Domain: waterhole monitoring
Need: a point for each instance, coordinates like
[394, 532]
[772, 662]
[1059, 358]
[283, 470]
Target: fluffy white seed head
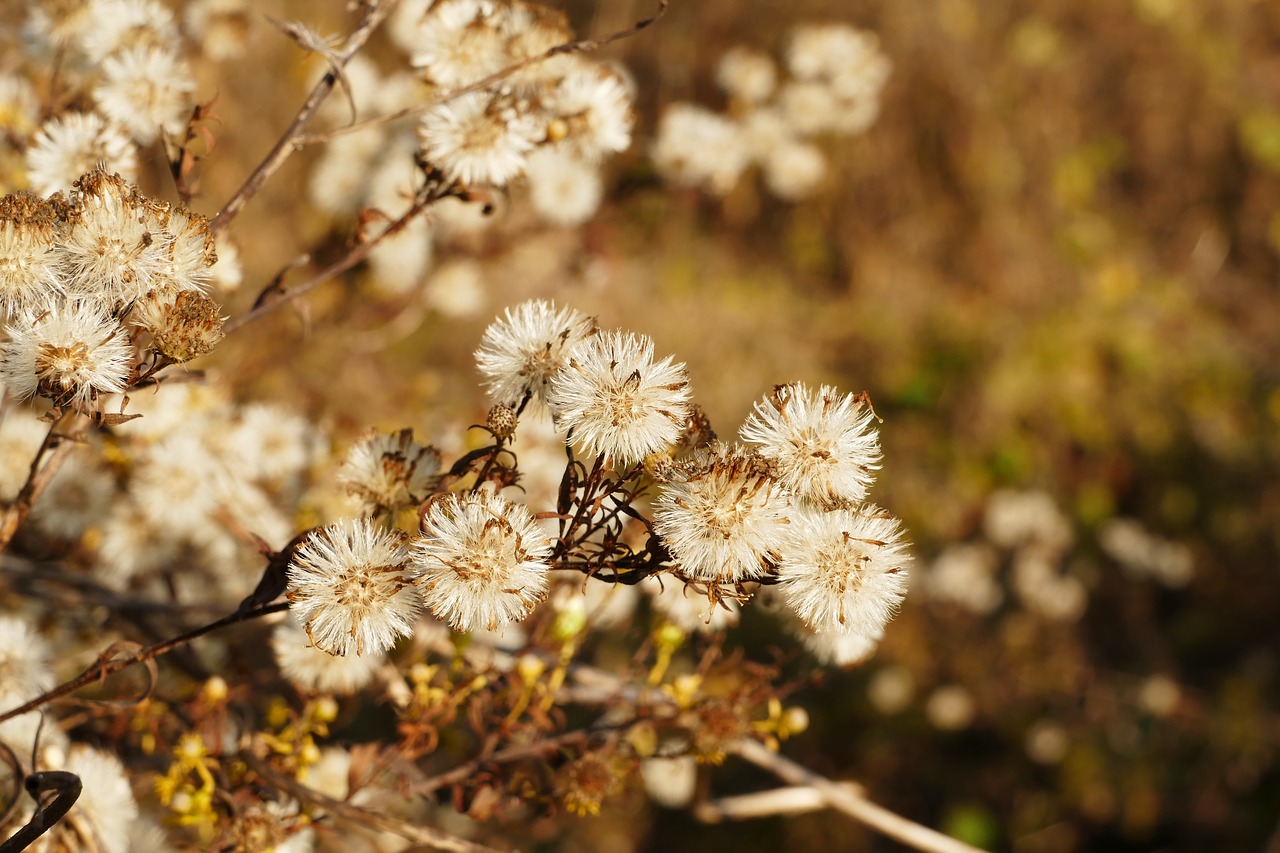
[479, 138]
[106, 798]
[483, 561]
[71, 355]
[725, 521]
[595, 107]
[844, 571]
[825, 444]
[698, 148]
[460, 41]
[389, 471]
[29, 273]
[351, 588]
[145, 89]
[563, 189]
[520, 352]
[313, 670]
[76, 143]
[617, 400]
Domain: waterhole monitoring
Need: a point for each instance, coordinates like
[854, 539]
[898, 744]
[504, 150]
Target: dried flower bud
[183, 327]
[501, 421]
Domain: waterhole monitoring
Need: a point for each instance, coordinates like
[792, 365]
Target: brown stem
[882, 820]
[55, 447]
[376, 13]
[355, 256]
[104, 668]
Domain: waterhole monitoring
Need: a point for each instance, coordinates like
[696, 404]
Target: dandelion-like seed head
[389, 471]
[70, 355]
[595, 106]
[844, 571]
[461, 41]
[115, 247]
[483, 561]
[479, 138]
[351, 588]
[25, 660]
[520, 353]
[725, 520]
[617, 400]
[29, 278]
[106, 799]
[825, 444]
[311, 669]
[145, 88]
[698, 148]
[75, 143]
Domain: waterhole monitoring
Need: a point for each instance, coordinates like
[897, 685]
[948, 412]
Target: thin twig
[416, 833]
[894, 825]
[107, 667]
[352, 258]
[576, 46]
[791, 800]
[287, 143]
[48, 459]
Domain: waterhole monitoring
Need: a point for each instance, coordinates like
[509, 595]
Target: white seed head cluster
[486, 137]
[616, 400]
[520, 352]
[482, 561]
[352, 588]
[824, 443]
[389, 471]
[835, 74]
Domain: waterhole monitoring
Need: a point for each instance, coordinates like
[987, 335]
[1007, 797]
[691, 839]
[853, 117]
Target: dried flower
[479, 138]
[29, 278]
[844, 571]
[389, 471]
[520, 353]
[67, 147]
[617, 401]
[182, 326]
[725, 521]
[70, 355]
[483, 561]
[825, 444]
[351, 588]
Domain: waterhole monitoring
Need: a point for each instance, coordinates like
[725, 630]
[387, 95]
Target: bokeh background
[1052, 262]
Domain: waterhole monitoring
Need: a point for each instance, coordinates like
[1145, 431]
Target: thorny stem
[577, 46]
[55, 447]
[414, 832]
[104, 668]
[376, 12]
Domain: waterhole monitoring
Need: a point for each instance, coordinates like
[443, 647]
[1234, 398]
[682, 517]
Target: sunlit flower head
[844, 571]
[25, 661]
[725, 520]
[520, 352]
[351, 588]
[145, 89]
[115, 248]
[75, 143]
[115, 25]
[29, 274]
[747, 74]
[458, 42]
[698, 148]
[71, 354]
[617, 400]
[825, 443]
[479, 138]
[563, 189]
[482, 559]
[595, 107]
[389, 471]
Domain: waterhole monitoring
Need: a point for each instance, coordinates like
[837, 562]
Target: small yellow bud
[530, 668]
[325, 709]
[215, 690]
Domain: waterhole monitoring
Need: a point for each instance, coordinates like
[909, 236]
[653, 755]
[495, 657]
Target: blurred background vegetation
[1053, 263]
